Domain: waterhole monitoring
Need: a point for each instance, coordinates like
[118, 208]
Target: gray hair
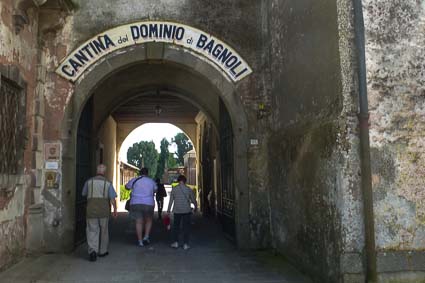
[101, 169]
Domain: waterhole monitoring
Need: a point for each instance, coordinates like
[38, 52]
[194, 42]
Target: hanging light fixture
[158, 110]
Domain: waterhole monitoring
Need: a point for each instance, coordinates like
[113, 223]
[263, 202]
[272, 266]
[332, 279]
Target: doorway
[109, 90]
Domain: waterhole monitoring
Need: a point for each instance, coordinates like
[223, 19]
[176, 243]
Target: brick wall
[18, 63]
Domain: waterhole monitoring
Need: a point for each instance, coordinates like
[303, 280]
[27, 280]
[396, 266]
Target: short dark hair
[181, 178]
[144, 171]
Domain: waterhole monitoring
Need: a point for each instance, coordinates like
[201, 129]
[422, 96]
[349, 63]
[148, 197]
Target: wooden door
[227, 195]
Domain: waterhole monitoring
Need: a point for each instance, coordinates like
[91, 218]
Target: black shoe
[93, 256]
[102, 255]
[146, 242]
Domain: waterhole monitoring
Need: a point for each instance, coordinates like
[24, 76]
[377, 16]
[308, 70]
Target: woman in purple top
[142, 204]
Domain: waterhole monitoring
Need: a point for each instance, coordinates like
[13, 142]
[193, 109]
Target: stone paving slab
[212, 259]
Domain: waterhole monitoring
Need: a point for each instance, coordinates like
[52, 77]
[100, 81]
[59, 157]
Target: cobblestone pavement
[212, 258]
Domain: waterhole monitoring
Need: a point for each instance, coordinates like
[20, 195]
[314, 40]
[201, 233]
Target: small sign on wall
[52, 165]
[52, 151]
[51, 179]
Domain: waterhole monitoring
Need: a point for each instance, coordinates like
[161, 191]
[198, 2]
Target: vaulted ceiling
[156, 108]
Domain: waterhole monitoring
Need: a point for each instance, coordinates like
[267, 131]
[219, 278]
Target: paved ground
[211, 259]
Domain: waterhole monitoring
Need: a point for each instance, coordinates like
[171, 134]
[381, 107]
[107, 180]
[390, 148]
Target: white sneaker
[140, 243]
[175, 245]
[186, 247]
[146, 241]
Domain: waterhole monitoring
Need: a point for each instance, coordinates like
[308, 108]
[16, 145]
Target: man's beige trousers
[97, 235]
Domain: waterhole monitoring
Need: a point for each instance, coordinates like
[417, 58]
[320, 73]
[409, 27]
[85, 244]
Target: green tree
[143, 153]
[183, 146]
[163, 158]
[172, 162]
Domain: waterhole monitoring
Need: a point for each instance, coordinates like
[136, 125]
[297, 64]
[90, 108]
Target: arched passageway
[118, 92]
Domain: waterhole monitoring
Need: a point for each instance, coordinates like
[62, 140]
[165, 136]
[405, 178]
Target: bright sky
[150, 132]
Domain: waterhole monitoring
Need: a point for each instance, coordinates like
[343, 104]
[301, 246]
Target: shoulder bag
[127, 203]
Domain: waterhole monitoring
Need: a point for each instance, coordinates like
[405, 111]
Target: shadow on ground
[212, 258]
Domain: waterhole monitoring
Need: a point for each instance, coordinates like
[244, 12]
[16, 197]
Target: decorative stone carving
[54, 9]
[52, 16]
[20, 16]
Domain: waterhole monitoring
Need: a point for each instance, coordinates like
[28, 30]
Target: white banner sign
[216, 51]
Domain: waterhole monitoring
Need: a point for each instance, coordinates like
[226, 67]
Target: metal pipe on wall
[366, 179]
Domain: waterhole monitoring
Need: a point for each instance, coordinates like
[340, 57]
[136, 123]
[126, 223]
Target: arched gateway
[137, 60]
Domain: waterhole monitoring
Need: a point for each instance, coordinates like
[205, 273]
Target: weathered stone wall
[301, 105]
[314, 172]
[12, 241]
[18, 63]
[238, 23]
[395, 54]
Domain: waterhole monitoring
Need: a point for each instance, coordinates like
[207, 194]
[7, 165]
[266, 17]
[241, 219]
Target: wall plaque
[52, 151]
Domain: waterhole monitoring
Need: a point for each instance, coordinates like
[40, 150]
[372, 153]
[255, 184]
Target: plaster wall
[316, 204]
[18, 63]
[396, 89]
[200, 119]
[108, 137]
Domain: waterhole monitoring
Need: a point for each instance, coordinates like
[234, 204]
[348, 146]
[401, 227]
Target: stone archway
[158, 58]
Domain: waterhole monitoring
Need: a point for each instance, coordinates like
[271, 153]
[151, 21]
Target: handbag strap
[134, 183]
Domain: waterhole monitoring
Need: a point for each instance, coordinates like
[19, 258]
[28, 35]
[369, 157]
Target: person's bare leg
[139, 229]
[148, 226]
